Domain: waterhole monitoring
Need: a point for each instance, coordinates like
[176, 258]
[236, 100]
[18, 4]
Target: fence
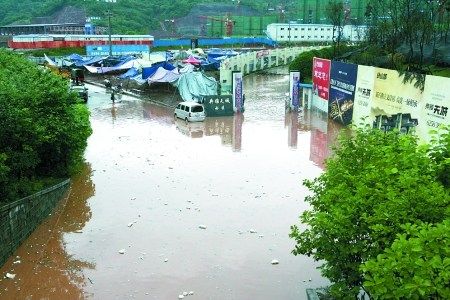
[205, 42]
[20, 218]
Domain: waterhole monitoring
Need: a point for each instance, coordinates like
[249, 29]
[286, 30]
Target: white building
[293, 32]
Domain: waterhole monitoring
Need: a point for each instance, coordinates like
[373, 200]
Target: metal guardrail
[20, 218]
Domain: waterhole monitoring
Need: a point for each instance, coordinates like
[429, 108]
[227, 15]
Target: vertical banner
[342, 91]
[321, 83]
[238, 99]
[436, 101]
[395, 104]
[363, 95]
[294, 97]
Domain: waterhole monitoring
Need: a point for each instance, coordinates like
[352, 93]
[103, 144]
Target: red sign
[321, 77]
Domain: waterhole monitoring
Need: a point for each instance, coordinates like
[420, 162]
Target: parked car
[190, 111]
[81, 90]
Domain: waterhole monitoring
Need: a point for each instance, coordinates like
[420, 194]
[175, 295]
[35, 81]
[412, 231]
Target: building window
[282, 28]
[309, 29]
[282, 36]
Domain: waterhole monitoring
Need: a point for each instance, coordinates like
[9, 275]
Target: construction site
[217, 20]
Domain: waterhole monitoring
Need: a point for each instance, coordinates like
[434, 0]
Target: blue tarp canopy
[132, 72]
[147, 72]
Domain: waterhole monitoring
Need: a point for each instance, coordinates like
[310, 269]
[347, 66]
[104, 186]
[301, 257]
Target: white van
[190, 111]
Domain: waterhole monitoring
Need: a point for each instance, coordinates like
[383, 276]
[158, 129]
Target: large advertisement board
[396, 104]
[321, 83]
[436, 100]
[362, 102]
[342, 91]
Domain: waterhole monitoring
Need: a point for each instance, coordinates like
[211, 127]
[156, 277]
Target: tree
[415, 266]
[374, 184]
[335, 13]
[44, 129]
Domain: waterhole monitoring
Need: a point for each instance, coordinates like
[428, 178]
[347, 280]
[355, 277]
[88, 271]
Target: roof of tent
[163, 75]
[194, 85]
[192, 60]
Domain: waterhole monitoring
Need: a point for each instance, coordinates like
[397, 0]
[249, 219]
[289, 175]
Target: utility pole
[109, 32]
[109, 14]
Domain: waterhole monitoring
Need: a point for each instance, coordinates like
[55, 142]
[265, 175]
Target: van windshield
[197, 109]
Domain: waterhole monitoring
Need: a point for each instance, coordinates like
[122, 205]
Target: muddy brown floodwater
[150, 182]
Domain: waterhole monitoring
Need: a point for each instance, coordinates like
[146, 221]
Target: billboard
[321, 83]
[395, 104]
[294, 80]
[436, 100]
[96, 50]
[362, 102]
[342, 91]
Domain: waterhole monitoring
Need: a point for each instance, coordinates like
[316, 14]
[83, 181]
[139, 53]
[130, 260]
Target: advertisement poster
[395, 104]
[342, 91]
[294, 80]
[238, 100]
[436, 101]
[364, 91]
[321, 83]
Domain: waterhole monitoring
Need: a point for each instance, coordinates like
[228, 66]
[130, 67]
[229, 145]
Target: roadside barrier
[20, 218]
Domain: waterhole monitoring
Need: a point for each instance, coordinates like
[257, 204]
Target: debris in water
[185, 294]
[166, 260]
[261, 236]
[202, 226]
[180, 297]
[191, 293]
[10, 276]
[252, 231]
[122, 251]
[274, 262]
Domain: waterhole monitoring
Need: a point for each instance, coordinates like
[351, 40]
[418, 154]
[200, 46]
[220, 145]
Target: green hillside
[130, 16]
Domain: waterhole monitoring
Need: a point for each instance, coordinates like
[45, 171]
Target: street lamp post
[109, 13]
[109, 33]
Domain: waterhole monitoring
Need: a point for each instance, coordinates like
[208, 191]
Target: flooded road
[202, 207]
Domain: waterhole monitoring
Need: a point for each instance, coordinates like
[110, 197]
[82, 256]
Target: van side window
[182, 107]
[178, 106]
[197, 109]
[186, 108]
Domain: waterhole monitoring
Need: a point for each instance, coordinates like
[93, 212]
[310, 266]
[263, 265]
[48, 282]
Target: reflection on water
[229, 129]
[323, 135]
[46, 270]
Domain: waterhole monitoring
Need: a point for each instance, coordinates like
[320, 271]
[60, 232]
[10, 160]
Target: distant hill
[137, 16]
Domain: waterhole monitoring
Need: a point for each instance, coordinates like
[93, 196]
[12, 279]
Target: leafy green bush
[415, 266]
[43, 130]
[374, 184]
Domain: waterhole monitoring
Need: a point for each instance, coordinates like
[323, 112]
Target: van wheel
[186, 120]
[175, 116]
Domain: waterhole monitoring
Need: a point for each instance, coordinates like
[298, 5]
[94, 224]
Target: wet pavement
[202, 207]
